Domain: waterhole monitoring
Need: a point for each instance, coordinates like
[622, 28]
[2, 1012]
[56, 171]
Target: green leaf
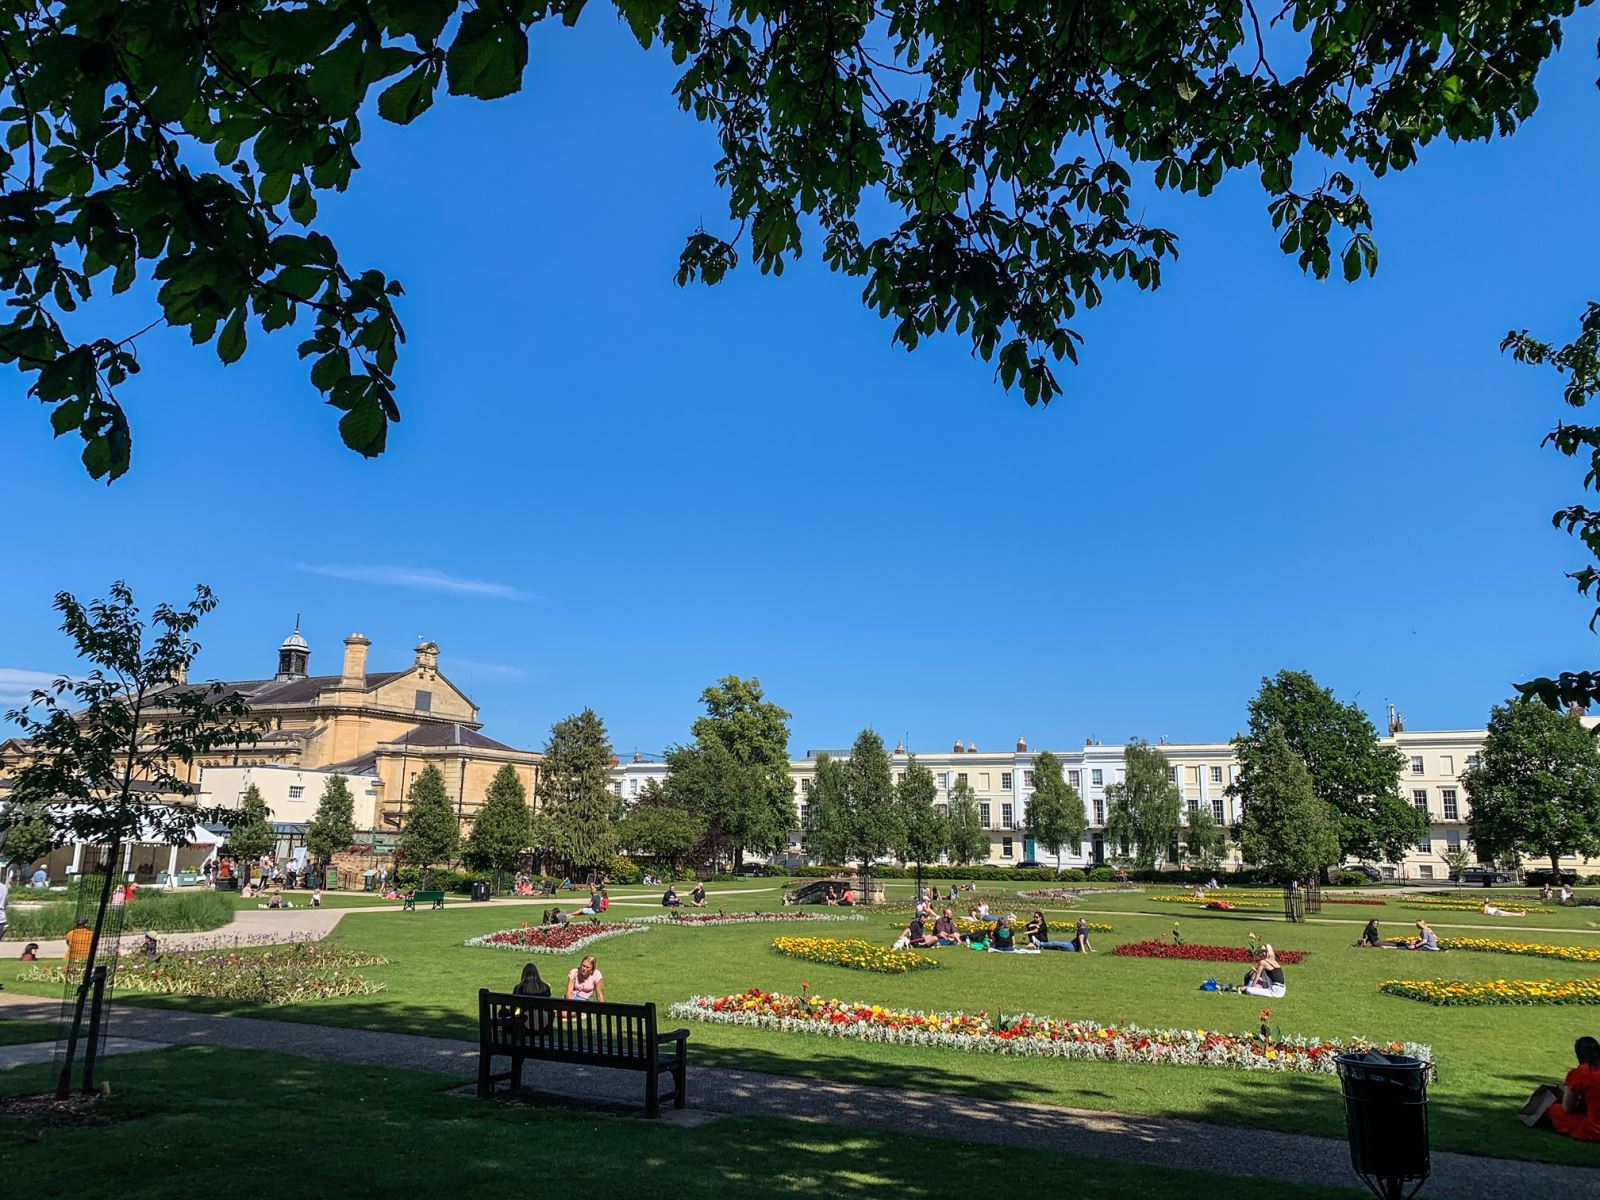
[230, 345]
[364, 428]
[406, 100]
[488, 56]
[338, 80]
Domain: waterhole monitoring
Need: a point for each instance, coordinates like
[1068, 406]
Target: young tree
[659, 829]
[1456, 862]
[796, 101]
[431, 832]
[1536, 788]
[1055, 816]
[110, 749]
[968, 840]
[828, 833]
[1143, 810]
[869, 788]
[333, 827]
[920, 824]
[1286, 828]
[25, 835]
[736, 772]
[1350, 769]
[250, 832]
[1204, 841]
[502, 831]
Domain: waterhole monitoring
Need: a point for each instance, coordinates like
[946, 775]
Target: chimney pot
[972, 747]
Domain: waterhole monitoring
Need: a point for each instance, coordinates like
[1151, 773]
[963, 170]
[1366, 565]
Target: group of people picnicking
[1373, 939]
[1002, 936]
[697, 896]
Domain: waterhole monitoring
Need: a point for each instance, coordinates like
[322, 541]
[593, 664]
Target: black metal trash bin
[1386, 1120]
[480, 889]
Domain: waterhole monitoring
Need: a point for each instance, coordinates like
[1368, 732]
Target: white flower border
[1180, 1053]
[483, 942]
[742, 919]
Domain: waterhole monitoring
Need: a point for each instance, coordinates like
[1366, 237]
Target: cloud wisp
[413, 577]
[17, 685]
[470, 667]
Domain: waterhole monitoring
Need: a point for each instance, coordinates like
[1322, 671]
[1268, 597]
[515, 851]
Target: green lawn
[18, 1033]
[387, 1132]
[1488, 1058]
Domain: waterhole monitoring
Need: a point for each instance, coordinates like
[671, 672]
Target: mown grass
[1488, 1058]
[390, 1132]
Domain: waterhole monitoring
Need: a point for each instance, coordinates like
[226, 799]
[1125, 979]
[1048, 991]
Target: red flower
[1196, 952]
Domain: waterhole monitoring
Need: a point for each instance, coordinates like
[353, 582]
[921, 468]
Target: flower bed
[1327, 899]
[1200, 953]
[785, 917]
[555, 939]
[1452, 992]
[1058, 895]
[1062, 928]
[1581, 954]
[1026, 1034]
[1212, 903]
[282, 976]
[855, 953]
[1471, 906]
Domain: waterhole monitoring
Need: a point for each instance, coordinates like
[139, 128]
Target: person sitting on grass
[1490, 910]
[916, 936]
[1002, 937]
[1566, 894]
[316, 897]
[1426, 939]
[847, 898]
[30, 953]
[697, 896]
[1545, 893]
[832, 897]
[1080, 937]
[669, 898]
[584, 981]
[1266, 979]
[592, 909]
[944, 930]
[1039, 935]
[1578, 1114]
[148, 947]
[1370, 936]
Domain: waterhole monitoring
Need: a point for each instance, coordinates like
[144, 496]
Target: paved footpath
[1155, 1141]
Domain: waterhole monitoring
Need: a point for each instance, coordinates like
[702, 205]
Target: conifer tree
[502, 830]
[431, 831]
[250, 834]
[1286, 827]
[575, 791]
[828, 837]
[333, 827]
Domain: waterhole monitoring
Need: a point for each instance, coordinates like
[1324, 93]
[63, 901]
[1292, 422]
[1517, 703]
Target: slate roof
[447, 734]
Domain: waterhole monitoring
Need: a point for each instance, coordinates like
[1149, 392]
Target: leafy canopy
[1285, 828]
[827, 811]
[1349, 767]
[920, 823]
[250, 833]
[502, 829]
[333, 827]
[657, 827]
[1536, 788]
[982, 170]
[1204, 841]
[431, 832]
[968, 840]
[875, 827]
[1142, 809]
[1055, 818]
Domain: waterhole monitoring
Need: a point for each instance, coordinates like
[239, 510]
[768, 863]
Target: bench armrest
[676, 1035]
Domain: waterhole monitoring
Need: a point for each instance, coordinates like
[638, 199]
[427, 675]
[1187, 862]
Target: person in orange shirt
[1578, 1113]
[78, 939]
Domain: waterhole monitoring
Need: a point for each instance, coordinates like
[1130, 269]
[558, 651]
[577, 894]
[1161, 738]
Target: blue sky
[609, 491]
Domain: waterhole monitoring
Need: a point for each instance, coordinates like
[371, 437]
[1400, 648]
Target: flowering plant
[1424, 903]
[1218, 905]
[855, 953]
[1581, 954]
[1452, 992]
[1200, 953]
[786, 916]
[1354, 900]
[284, 975]
[1025, 1033]
[555, 939]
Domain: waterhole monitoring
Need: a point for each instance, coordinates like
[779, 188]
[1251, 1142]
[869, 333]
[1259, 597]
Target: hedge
[187, 912]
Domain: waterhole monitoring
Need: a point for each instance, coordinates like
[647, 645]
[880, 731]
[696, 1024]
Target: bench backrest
[538, 1025]
[429, 896]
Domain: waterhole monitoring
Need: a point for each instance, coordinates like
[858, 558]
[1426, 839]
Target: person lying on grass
[1266, 979]
[1490, 910]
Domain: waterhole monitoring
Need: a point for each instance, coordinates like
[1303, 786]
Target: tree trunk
[1555, 867]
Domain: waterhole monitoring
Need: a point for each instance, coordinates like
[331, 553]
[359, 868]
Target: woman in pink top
[584, 981]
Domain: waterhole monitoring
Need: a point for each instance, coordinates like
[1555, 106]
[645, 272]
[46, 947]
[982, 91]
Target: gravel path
[1156, 1141]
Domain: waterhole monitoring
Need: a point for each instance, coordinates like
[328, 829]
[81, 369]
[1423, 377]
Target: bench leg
[652, 1094]
[485, 1084]
[680, 1074]
[516, 1074]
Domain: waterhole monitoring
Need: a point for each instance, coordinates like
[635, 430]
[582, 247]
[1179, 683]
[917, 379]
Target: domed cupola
[293, 655]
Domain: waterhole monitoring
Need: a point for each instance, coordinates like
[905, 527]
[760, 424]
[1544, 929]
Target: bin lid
[1376, 1064]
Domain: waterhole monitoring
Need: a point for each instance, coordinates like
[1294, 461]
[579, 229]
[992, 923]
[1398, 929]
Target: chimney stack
[959, 748]
[355, 661]
[427, 663]
[972, 747]
[1022, 744]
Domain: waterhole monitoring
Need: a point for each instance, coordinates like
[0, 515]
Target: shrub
[1101, 875]
[1351, 879]
[1072, 875]
[624, 870]
[186, 912]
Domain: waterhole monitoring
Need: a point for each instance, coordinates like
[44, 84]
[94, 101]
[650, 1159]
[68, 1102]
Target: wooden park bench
[585, 1032]
[410, 904]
